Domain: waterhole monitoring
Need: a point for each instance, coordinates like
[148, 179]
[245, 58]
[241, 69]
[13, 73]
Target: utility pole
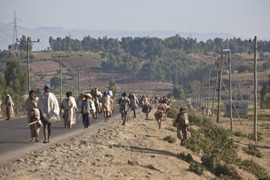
[28, 41]
[255, 88]
[90, 80]
[126, 83]
[209, 81]
[97, 81]
[201, 93]
[60, 68]
[60, 72]
[219, 86]
[79, 73]
[215, 89]
[205, 92]
[230, 84]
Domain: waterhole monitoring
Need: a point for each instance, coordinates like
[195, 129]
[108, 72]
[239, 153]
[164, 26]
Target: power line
[6, 34]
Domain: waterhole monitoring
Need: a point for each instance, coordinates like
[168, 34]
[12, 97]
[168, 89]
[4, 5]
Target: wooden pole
[230, 84]
[97, 81]
[28, 70]
[214, 91]
[79, 72]
[208, 93]
[205, 93]
[90, 86]
[60, 69]
[255, 88]
[219, 87]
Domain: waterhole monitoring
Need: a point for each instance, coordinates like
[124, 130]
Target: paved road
[15, 136]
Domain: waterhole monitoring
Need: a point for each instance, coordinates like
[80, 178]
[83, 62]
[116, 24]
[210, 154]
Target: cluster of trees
[152, 58]
[13, 82]
[22, 44]
[150, 47]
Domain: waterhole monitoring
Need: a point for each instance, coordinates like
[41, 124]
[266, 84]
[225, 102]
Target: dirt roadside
[136, 151]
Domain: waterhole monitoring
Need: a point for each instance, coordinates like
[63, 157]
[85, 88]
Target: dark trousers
[86, 120]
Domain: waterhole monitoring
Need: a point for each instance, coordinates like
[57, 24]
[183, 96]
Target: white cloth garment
[49, 107]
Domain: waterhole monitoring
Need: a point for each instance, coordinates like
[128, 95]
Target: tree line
[150, 47]
[153, 58]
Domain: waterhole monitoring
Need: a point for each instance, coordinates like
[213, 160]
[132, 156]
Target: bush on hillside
[255, 169]
[186, 157]
[196, 168]
[252, 150]
[169, 139]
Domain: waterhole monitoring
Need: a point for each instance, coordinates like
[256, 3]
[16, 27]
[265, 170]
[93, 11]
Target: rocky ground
[136, 151]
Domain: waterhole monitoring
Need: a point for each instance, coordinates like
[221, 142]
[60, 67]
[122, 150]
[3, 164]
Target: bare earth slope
[136, 151]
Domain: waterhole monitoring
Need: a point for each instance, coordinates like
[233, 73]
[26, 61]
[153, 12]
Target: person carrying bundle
[182, 126]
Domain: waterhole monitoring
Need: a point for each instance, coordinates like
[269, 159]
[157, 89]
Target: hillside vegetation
[142, 65]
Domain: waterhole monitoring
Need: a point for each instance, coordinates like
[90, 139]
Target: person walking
[9, 107]
[182, 126]
[106, 106]
[124, 103]
[33, 115]
[49, 111]
[86, 108]
[134, 103]
[69, 105]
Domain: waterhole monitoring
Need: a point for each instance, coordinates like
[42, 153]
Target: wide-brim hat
[87, 95]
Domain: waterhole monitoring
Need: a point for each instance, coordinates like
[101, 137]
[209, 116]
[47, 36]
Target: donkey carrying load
[146, 106]
[159, 116]
[96, 94]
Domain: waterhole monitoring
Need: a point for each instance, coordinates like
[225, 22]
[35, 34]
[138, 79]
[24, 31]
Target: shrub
[249, 136]
[239, 134]
[196, 141]
[254, 168]
[208, 162]
[199, 120]
[170, 139]
[259, 136]
[170, 129]
[252, 150]
[219, 145]
[214, 144]
[223, 177]
[172, 113]
[188, 158]
[196, 168]
[223, 170]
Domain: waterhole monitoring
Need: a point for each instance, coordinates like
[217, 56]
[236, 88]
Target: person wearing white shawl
[49, 111]
[9, 107]
[69, 105]
[134, 103]
[106, 105]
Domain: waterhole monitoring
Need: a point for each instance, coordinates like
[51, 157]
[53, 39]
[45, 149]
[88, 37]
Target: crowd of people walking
[45, 110]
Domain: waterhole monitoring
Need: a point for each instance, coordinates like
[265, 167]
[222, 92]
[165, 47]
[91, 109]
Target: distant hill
[43, 33]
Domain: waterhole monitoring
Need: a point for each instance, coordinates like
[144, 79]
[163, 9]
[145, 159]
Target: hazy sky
[244, 18]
